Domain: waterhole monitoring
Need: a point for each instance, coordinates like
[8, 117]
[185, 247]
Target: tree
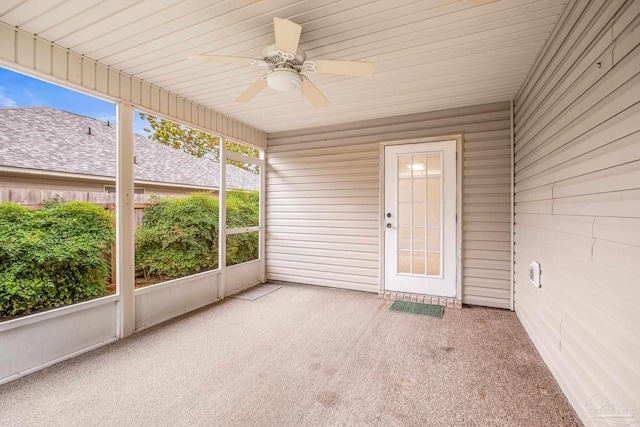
[195, 142]
[191, 141]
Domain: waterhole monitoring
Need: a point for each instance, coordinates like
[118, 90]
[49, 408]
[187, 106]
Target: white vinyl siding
[323, 195]
[577, 183]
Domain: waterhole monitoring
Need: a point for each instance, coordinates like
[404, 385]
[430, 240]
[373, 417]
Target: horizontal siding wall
[577, 123]
[323, 193]
[26, 52]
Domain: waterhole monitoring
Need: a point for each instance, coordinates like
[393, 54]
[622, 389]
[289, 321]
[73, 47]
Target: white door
[420, 218]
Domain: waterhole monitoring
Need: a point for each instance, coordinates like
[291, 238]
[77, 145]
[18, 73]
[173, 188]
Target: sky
[19, 90]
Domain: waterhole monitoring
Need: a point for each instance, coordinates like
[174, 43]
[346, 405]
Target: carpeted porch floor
[302, 356]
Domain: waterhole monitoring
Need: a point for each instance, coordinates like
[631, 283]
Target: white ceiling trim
[25, 52]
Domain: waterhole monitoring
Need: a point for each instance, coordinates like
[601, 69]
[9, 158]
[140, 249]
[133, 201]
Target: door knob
[388, 225]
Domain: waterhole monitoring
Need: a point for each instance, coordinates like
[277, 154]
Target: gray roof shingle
[48, 139]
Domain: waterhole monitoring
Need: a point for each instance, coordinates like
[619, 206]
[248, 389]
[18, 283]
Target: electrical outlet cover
[534, 273]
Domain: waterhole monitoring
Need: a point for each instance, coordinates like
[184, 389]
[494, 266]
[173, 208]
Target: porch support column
[125, 219]
[263, 226]
[512, 217]
[222, 218]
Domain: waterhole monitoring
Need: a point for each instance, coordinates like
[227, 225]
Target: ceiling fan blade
[347, 68]
[252, 91]
[313, 94]
[287, 35]
[221, 58]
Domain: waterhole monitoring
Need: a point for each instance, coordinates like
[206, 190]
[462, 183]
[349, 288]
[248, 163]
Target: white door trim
[459, 185]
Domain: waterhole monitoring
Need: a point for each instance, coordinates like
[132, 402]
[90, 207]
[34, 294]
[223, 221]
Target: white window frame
[261, 162]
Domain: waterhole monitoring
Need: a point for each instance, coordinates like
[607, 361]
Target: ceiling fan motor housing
[273, 58]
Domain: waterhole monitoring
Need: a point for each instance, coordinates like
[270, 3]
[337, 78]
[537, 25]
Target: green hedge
[179, 236]
[54, 256]
[59, 255]
[243, 210]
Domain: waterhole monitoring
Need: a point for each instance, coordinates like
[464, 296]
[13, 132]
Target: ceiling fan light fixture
[284, 80]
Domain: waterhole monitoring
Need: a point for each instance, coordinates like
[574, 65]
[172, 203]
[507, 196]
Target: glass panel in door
[419, 214]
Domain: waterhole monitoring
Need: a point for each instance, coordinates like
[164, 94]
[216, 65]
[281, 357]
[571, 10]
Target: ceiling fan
[285, 61]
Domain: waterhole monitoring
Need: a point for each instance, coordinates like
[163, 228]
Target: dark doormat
[417, 308]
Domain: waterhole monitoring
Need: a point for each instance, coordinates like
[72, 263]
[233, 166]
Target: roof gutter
[93, 178]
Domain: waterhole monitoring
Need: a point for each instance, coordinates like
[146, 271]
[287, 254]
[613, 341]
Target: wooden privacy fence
[35, 199]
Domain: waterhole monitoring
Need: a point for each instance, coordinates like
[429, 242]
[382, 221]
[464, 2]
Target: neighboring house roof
[48, 139]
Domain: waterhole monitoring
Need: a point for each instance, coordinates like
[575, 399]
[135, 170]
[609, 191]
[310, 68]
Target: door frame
[459, 141]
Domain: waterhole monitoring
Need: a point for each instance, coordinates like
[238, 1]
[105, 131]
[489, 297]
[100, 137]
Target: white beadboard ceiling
[429, 54]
